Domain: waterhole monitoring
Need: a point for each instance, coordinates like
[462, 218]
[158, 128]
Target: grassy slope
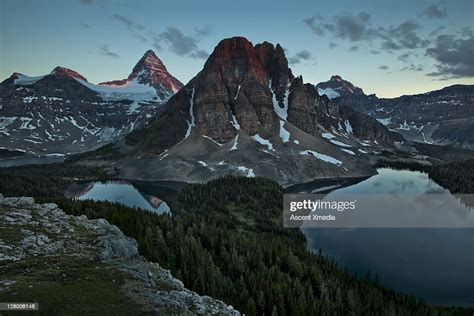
[73, 283]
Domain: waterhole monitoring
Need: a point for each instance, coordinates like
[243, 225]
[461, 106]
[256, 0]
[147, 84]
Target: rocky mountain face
[62, 113]
[73, 248]
[245, 113]
[442, 117]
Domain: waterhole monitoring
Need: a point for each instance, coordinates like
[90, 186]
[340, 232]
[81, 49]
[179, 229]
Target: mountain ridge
[61, 112]
[444, 116]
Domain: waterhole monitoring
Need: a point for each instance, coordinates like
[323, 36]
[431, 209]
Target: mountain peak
[151, 71]
[337, 87]
[237, 58]
[150, 61]
[66, 72]
[150, 52]
[234, 47]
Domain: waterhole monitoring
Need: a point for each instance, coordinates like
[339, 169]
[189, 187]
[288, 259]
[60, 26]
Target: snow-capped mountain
[61, 112]
[245, 113]
[337, 87]
[442, 117]
[150, 71]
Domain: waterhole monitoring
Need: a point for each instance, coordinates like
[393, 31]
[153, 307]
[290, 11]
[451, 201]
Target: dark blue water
[436, 265]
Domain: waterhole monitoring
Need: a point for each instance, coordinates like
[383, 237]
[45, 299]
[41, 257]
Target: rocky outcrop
[248, 89]
[303, 107]
[30, 230]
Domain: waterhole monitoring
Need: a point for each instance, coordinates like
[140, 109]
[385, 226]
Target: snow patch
[132, 90]
[29, 99]
[25, 123]
[297, 142]
[348, 126]
[234, 147]
[26, 80]
[5, 121]
[281, 112]
[328, 135]
[284, 134]
[263, 141]
[191, 113]
[322, 157]
[330, 93]
[338, 143]
[247, 171]
[107, 134]
[237, 94]
[348, 151]
[235, 123]
[385, 121]
[205, 136]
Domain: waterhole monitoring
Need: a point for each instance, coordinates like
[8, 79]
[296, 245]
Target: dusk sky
[385, 47]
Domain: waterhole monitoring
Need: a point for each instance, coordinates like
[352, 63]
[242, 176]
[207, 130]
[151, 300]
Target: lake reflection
[434, 264]
[120, 192]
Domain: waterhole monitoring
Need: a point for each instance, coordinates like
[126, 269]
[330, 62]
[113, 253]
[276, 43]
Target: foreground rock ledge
[44, 231]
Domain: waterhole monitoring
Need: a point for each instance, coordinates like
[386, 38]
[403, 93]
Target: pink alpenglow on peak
[151, 71]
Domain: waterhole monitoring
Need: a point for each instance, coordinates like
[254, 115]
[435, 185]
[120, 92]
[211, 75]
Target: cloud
[332, 45]
[104, 51]
[316, 28]
[384, 67]
[374, 52]
[87, 2]
[179, 43]
[131, 25]
[304, 54]
[354, 48]
[406, 57]
[438, 30]
[298, 57]
[351, 27]
[83, 24]
[413, 67]
[358, 28]
[435, 12]
[141, 38]
[454, 56]
[403, 36]
[199, 54]
[205, 31]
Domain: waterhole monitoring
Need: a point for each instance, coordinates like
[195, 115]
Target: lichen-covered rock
[44, 230]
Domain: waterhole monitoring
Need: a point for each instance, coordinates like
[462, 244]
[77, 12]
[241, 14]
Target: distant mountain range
[442, 117]
[244, 113]
[61, 112]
